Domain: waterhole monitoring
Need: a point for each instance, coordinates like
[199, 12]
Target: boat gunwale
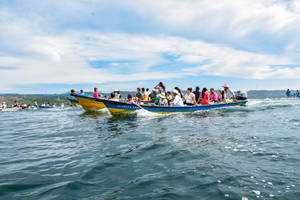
[240, 102]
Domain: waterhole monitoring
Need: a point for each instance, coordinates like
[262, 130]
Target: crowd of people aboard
[17, 105]
[289, 93]
[160, 96]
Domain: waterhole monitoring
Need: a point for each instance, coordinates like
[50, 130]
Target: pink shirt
[95, 95]
[205, 99]
[213, 97]
[130, 102]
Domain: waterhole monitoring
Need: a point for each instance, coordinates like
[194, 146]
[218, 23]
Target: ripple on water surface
[235, 153]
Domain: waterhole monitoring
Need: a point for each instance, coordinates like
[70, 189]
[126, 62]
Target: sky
[52, 46]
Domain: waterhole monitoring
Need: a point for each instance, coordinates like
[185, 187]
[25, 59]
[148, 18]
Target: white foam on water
[257, 192]
[244, 198]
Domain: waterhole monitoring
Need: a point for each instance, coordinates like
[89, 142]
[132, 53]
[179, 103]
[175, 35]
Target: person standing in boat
[228, 92]
[177, 99]
[189, 98]
[160, 88]
[95, 94]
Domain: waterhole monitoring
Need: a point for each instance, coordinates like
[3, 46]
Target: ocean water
[241, 153]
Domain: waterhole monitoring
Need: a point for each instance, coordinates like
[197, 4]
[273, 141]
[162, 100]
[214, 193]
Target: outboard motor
[241, 95]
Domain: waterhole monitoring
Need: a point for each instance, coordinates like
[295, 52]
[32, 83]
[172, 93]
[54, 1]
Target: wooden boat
[89, 103]
[74, 102]
[119, 108]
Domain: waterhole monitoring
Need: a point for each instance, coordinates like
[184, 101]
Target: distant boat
[119, 108]
[89, 103]
[74, 102]
[40, 106]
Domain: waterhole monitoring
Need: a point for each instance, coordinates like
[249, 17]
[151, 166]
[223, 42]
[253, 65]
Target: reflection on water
[250, 152]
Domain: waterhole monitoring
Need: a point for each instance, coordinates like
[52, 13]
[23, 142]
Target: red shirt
[204, 100]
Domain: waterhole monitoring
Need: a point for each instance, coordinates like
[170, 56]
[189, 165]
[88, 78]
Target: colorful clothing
[95, 95]
[155, 100]
[189, 98]
[204, 100]
[213, 96]
[177, 101]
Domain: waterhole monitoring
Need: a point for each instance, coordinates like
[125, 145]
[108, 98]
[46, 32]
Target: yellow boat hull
[75, 104]
[89, 104]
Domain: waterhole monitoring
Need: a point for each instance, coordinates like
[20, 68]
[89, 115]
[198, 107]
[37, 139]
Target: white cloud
[39, 53]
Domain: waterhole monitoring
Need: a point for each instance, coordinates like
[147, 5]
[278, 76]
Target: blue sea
[241, 153]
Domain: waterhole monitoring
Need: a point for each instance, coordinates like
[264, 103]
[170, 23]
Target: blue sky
[52, 46]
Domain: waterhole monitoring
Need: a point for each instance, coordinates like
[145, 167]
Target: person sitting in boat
[160, 88]
[16, 104]
[81, 92]
[189, 98]
[148, 92]
[163, 99]
[179, 90]
[95, 94]
[155, 98]
[213, 97]
[73, 93]
[297, 93]
[130, 100]
[113, 97]
[48, 104]
[177, 99]
[4, 105]
[204, 97]
[138, 94]
[197, 93]
[117, 93]
[169, 97]
[288, 93]
[222, 97]
[35, 103]
[228, 92]
[145, 96]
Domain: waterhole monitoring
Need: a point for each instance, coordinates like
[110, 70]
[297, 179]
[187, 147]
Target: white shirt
[163, 102]
[177, 101]
[229, 94]
[189, 98]
[117, 95]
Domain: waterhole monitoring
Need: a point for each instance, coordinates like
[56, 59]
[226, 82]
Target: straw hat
[226, 86]
[176, 92]
[162, 95]
[116, 90]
